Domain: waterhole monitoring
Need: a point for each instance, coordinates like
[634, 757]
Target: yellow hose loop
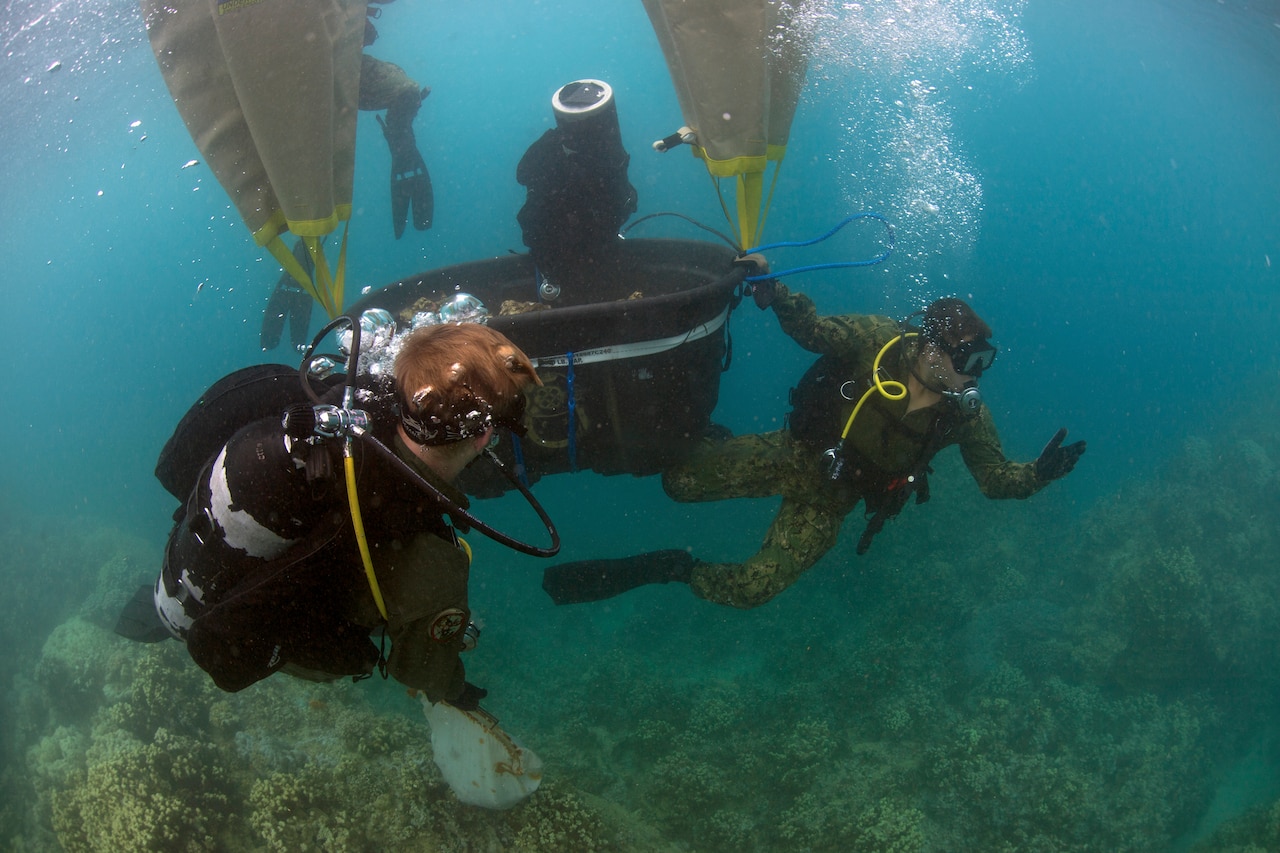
[890, 389]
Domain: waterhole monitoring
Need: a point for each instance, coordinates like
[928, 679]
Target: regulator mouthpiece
[967, 399]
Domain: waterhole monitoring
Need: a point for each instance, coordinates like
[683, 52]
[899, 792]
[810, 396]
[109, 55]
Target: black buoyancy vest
[816, 403]
[239, 398]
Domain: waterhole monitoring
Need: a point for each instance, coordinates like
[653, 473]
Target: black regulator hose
[459, 513]
[353, 360]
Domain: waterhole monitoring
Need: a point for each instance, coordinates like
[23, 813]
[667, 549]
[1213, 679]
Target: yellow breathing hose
[349, 464]
[891, 389]
[357, 521]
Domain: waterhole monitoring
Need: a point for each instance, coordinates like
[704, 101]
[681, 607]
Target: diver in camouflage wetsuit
[855, 434]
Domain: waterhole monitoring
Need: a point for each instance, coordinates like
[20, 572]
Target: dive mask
[970, 358]
[470, 418]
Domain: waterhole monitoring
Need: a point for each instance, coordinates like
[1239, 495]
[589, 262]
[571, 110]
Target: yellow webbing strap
[750, 186]
[326, 283]
[768, 202]
[349, 463]
[749, 172]
[327, 288]
[290, 264]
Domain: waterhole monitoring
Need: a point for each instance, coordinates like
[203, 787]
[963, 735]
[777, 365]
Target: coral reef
[164, 795]
[141, 752]
[557, 820]
[1048, 686]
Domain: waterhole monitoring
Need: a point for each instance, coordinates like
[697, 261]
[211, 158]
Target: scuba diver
[866, 420]
[262, 571]
[577, 195]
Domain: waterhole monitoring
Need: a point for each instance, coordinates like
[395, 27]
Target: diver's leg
[384, 85]
[754, 466]
[733, 468]
[800, 534]
[748, 466]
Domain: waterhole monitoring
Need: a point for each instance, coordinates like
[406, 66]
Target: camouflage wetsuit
[882, 437]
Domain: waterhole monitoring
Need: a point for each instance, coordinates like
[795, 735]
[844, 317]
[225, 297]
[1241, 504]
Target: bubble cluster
[898, 66]
[381, 338]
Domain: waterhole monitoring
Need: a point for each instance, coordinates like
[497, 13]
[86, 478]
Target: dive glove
[1056, 461]
[762, 291]
[410, 181]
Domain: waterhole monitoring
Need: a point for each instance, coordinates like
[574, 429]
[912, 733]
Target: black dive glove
[1056, 461]
[469, 699]
[763, 291]
[410, 181]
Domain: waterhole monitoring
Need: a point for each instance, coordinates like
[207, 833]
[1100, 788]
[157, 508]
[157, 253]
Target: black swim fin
[139, 620]
[410, 181]
[593, 580]
[289, 303]
[411, 187]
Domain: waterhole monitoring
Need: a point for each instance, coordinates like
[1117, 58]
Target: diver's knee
[733, 585]
[679, 485]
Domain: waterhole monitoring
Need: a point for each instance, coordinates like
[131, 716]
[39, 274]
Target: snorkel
[350, 423]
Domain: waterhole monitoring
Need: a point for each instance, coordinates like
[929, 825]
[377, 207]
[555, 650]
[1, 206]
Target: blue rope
[834, 265]
[517, 449]
[573, 426]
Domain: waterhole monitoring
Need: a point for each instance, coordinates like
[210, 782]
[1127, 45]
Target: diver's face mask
[968, 359]
[971, 358]
[470, 418]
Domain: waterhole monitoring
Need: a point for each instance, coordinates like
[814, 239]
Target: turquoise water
[1090, 670]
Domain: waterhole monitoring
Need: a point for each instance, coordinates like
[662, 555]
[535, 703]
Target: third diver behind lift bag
[578, 195]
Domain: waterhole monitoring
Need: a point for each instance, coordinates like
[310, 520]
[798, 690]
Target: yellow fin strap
[466, 548]
[349, 463]
[891, 389]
